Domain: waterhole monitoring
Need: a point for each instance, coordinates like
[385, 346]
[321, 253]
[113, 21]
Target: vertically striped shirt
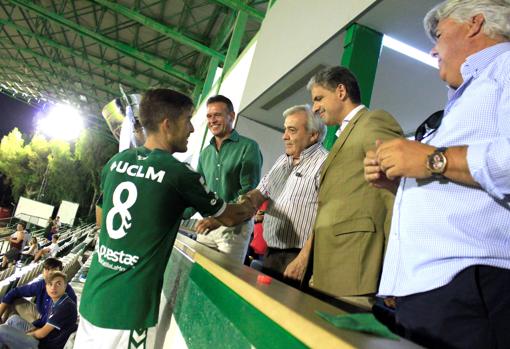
[292, 192]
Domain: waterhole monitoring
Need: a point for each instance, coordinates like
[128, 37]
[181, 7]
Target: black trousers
[472, 311]
[275, 262]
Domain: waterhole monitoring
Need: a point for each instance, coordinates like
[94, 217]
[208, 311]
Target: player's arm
[235, 214]
[194, 191]
[253, 199]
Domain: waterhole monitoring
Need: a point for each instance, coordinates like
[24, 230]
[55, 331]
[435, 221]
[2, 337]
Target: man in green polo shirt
[231, 165]
[145, 191]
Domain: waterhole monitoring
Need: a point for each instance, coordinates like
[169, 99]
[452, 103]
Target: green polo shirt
[234, 169]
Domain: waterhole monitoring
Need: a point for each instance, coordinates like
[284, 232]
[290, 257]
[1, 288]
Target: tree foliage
[51, 170]
[93, 153]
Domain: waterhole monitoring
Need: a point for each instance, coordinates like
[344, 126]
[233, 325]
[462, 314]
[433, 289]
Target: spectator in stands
[51, 250]
[231, 166]
[49, 224]
[448, 258]
[33, 248]
[53, 334]
[142, 212]
[54, 230]
[47, 230]
[26, 239]
[353, 219]
[292, 187]
[57, 222]
[36, 313]
[16, 242]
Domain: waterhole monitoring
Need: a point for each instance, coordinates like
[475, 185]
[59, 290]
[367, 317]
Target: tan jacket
[353, 219]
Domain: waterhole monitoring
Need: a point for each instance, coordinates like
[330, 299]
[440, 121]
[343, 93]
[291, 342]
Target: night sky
[14, 113]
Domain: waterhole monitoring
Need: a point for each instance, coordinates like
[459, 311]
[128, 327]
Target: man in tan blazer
[353, 218]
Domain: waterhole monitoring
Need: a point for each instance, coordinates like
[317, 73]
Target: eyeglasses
[429, 126]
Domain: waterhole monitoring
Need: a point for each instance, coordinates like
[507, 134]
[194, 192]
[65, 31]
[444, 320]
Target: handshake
[234, 214]
[248, 204]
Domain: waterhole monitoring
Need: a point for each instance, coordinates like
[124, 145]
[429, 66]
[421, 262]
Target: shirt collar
[310, 150]
[60, 300]
[234, 137]
[305, 153]
[477, 62]
[348, 118]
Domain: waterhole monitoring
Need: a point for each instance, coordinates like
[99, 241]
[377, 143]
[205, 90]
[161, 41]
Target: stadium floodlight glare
[61, 122]
[409, 51]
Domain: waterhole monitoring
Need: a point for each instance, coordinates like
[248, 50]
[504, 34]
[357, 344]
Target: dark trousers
[472, 311]
[276, 260]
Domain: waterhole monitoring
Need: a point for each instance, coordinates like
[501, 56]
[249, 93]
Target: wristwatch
[436, 163]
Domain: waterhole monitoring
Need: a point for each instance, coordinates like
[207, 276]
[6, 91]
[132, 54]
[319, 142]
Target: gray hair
[495, 12]
[314, 123]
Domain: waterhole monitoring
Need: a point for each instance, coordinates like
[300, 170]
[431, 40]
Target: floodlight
[61, 122]
[409, 51]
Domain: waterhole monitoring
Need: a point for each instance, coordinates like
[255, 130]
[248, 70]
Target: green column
[209, 79]
[195, 95]
[235, 42]
[269, 5]
[362, 48]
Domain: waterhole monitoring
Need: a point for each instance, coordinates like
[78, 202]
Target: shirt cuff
[221, 210]
[477, 155]
[57, 327]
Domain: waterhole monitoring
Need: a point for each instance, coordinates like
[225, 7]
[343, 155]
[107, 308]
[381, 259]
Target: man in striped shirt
[291, 186]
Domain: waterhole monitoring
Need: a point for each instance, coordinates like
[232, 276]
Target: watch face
[437, 162]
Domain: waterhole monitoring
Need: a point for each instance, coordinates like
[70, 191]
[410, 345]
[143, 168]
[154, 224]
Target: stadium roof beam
[241, 6]
[235, 41]
[50, 94]
[144, 57]
[160, 28]
[29, 85]
[48, 76]
[17, 59]
[123, 77]
[79, 73]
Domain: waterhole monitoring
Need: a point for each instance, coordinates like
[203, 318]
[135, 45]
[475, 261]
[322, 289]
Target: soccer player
[145, 191]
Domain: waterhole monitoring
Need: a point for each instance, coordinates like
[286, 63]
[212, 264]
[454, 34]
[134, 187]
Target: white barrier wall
[291, 31]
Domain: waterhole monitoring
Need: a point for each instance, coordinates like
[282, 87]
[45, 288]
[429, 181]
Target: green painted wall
[211, 315]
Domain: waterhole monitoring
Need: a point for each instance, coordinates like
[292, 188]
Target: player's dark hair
[158, 104]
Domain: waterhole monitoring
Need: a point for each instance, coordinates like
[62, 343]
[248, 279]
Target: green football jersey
[144, 195]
